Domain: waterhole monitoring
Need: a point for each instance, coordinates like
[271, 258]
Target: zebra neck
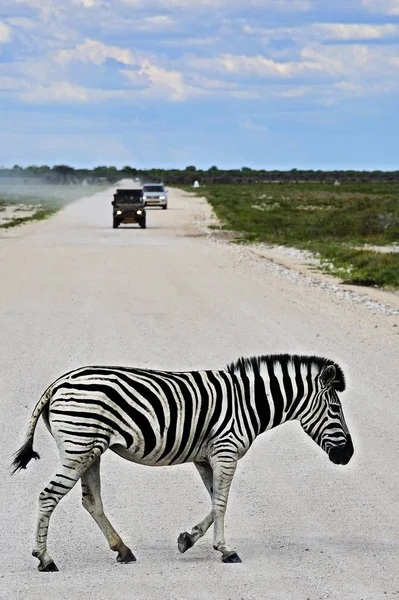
[267, 397]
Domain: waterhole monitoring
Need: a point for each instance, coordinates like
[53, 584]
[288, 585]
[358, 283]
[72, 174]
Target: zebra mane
[245, 365]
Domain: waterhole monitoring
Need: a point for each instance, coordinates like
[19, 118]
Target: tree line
[67, 175]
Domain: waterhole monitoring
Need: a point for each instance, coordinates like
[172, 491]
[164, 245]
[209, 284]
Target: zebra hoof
[231, 557]
[50, 568]
[127, 558]
[184, 542]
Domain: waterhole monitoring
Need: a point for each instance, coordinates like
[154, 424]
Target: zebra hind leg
[91, 500]
[187, 540]
[68, 474]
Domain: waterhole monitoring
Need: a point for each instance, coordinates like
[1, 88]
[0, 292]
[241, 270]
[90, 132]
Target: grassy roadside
[332, 222]
[38, 215]
[38, 201]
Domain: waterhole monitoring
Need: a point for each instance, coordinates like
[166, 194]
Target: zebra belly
[135, 455]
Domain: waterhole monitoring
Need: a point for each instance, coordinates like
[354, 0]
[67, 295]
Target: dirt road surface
[73, 292]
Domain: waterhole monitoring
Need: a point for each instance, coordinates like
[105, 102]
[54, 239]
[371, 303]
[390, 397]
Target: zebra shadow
[330, 546]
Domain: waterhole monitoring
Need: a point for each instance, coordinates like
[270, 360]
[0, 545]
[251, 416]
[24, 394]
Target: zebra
[158, 418]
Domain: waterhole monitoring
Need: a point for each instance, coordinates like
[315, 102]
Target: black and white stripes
[160, 418]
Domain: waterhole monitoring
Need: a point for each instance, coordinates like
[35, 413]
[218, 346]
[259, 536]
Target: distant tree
[38, 170]
[100, 171]
[187, 175]
[63, 172]
[129, 170]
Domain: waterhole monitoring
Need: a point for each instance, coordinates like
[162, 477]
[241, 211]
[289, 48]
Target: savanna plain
[180, 295]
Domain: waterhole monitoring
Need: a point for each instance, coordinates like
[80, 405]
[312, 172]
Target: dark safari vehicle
[128, 207]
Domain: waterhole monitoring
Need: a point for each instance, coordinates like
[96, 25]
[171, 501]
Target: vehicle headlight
[118, 212]
[139, 212]
[162, 197]
[145, 197]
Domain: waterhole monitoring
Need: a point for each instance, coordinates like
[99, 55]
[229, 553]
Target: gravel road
[74, 291]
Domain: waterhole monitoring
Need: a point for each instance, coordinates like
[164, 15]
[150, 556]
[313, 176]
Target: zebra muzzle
[341, 455]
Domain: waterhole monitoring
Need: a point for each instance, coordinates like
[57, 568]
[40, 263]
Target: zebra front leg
[91, 500]
[187, 540]
[223, 473]
[67, 476]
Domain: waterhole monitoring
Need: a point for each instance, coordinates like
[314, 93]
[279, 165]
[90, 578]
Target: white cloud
[50, 5]
[22, 22]
[189, 42]
[345, 31]
[153, 81]
[354, 62]
[247, 95]
[156, 23]
[210, 85]
[279, 5]
[63, 92]
[11, 83]
[349, 88]
[47, 8]
[86, 3]
[283, 70]
[35, 3]
[328, 32]
[5, 33]
[41, 71]
[253, 129]
[149, 78]
[358, 60]
[385, 7]
[189, 3]
[170, 4]
[96, 52]
[284, 5]
[158, 82]
[295, 92]
[262, 66]
[164, 81]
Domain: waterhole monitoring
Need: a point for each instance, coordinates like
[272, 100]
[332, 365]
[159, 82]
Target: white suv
[154, 194]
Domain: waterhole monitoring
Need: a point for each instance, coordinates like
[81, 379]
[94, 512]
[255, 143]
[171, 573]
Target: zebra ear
[328, 376]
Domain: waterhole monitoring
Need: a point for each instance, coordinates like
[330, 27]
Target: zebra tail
[23, 456]
[26, 452]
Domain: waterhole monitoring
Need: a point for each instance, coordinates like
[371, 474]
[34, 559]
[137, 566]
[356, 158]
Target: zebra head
[324, 419]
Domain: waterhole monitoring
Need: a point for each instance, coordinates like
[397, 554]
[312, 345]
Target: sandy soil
[76, 292]
[17, 211]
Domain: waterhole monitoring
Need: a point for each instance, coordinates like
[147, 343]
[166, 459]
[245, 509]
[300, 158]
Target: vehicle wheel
[115, 224]
[143, 225]
[164, 207]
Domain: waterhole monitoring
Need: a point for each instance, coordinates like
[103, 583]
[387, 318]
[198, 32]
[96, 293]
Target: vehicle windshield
[153, 188]
[129, 199]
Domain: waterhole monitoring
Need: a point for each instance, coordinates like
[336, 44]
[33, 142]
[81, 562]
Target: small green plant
[363, 267]
[39, 215]
[330, 221]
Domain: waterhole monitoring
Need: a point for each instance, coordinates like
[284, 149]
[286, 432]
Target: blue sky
[275, 84]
